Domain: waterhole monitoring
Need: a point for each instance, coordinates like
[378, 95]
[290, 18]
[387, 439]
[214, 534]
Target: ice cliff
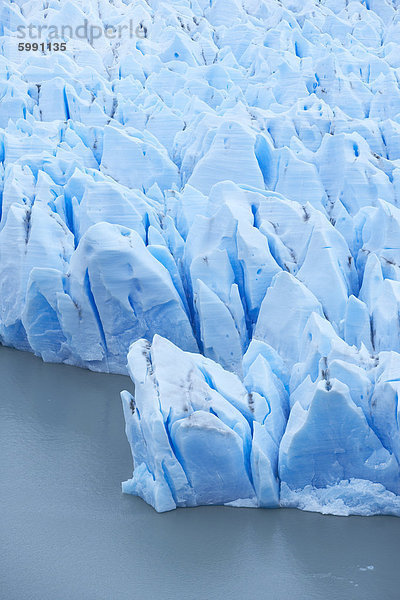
[200, 435]
[217, 197]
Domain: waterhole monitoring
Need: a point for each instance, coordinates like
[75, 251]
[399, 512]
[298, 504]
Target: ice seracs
[191, 430]
[201, 436]
[225, 183]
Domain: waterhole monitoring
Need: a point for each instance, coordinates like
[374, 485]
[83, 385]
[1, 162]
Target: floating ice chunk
[349, 497]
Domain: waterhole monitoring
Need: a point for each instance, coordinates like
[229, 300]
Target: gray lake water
[68, 533]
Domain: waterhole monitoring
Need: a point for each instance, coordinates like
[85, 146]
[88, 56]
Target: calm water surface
[68, 533]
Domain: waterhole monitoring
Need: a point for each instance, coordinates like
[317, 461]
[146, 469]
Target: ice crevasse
[216, 204]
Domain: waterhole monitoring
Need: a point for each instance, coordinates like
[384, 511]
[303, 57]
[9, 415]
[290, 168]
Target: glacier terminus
[212, 206]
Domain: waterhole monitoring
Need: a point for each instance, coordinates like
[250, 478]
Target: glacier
[212, 206]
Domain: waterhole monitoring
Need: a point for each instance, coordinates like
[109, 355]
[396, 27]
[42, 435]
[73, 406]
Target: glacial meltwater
[68, 533]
